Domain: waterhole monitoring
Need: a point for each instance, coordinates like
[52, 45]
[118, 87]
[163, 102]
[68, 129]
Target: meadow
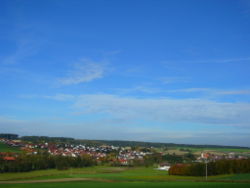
[6, 148]
[129, 185]
[207, 149]
[105, 176]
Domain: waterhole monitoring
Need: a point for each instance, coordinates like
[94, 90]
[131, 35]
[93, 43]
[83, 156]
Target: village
[123, 156]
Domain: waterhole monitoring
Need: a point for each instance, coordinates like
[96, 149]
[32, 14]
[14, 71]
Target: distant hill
[9, 136]
[157, 144]
[120, 143]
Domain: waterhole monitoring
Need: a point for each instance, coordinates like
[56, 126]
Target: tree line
[25, 163]
[9, 136]
[43, 160]
[213, 168]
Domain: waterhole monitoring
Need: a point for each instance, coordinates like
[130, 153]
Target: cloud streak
[211, 91]
[229, 60]
[170, 80]
[87, 130]
[224, 60]
[84, 71]
[162, 110]
[24, 48]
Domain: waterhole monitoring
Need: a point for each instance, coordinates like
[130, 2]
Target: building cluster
[206, 156]
[13, 143]
[126, 155]
[71, 150]
[122, 155]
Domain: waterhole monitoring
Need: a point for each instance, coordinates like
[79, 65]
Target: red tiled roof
[9, 158]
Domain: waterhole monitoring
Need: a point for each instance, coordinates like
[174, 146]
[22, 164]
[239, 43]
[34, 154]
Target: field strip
[55, 180]
[109, 181]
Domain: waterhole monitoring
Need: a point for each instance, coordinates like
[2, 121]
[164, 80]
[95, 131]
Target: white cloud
[211, 91]
[60, 97]
[233, 92]
[142, 89]
[106, 131]
[84, 71]
[227, 60]
[24, 48]
[169, 80]
[206, 91]
[223, 60]
[164, 110]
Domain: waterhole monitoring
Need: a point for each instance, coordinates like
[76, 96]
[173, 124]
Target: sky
[145, 70]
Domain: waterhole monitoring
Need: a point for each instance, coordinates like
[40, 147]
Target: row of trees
[213, 168]
[24, 163]
[9, 136]
[43, 160]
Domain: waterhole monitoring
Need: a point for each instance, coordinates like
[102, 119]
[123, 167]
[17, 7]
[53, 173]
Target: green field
[6, 148]
[225, 150]
[114, 173]
[105, 176]
[129, 184]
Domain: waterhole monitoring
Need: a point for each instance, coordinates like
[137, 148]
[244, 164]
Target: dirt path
[55, 180]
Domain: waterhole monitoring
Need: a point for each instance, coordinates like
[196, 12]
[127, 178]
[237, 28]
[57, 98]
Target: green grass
[6, 148]
[129, 185]
[237, 177]
[226, 150]
[114, 173]
[122, 178]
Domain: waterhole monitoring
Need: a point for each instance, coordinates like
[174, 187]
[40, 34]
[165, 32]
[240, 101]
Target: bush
[213, 168]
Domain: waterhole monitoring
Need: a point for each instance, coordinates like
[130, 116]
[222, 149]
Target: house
[205, 155]
[7, 158]
[123, 161]
[164, 167]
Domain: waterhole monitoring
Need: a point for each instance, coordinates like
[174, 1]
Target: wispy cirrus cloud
[169, 80]
[204, 91]
[211, 91]
[84, 71]
[140, 89]
[87, 130]
[176, 65]
[233, 92]
[163, 110]
[60, 97]
[24, 48]
[228, 60]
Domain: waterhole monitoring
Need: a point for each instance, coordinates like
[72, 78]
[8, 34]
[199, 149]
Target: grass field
[237, 150]
[198, 151]
[6, 148]
[129, 185]
[104, 176]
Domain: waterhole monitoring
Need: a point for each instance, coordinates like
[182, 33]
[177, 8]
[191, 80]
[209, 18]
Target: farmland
[60, 164]
[113, 176]
[128, 184]
[6, 148]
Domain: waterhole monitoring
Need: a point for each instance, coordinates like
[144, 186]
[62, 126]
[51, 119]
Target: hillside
[122, 143]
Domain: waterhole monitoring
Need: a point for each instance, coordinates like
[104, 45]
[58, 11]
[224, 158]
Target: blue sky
[162, 71]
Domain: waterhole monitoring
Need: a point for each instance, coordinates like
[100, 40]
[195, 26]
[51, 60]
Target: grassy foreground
[105, 176]
[129, 185]
[109, 173]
